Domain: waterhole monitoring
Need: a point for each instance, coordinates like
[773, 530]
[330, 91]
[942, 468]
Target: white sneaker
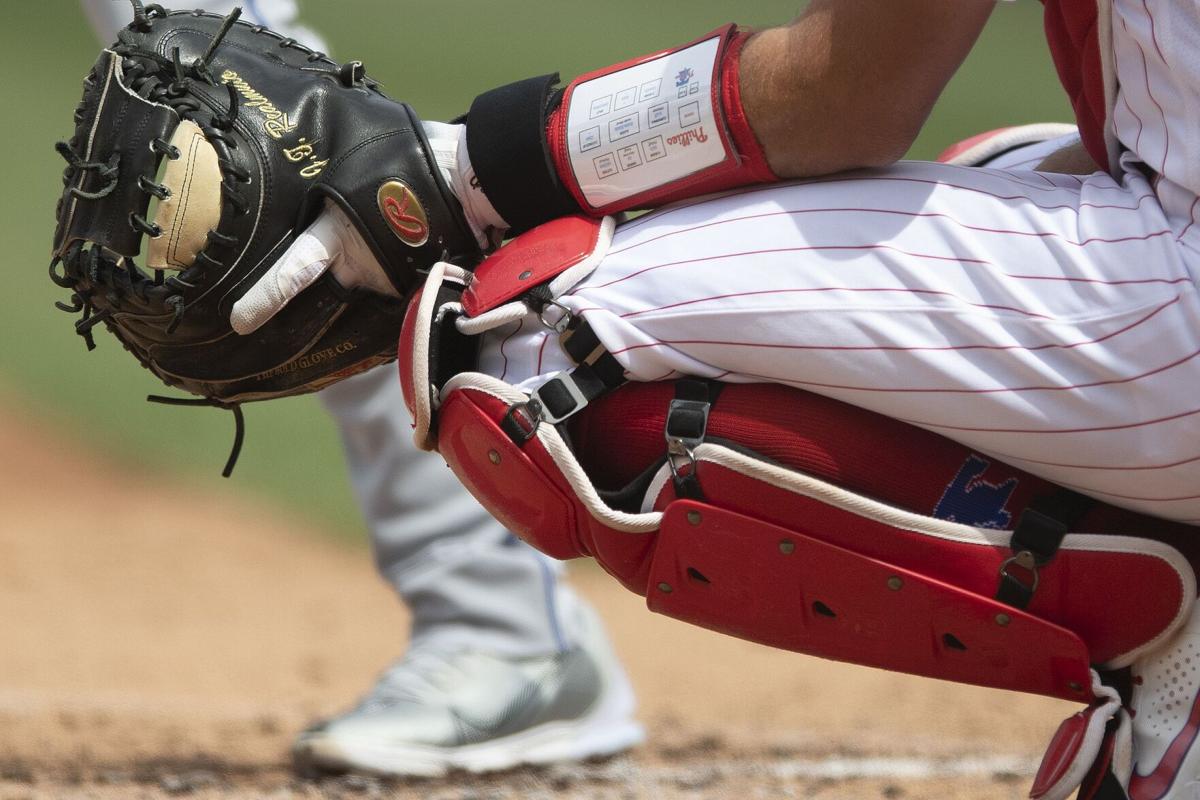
[1166, 719]
[433, 712]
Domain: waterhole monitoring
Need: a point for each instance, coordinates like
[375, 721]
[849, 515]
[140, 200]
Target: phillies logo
[686, 138]
[404, 214]
[971, 500]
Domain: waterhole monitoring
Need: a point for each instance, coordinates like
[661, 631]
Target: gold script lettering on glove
[304, 151]
[277, 122]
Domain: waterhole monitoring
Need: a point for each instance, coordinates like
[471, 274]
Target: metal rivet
[1003, 619]
[665, 588]
[694, 518]
[1075, 686]
[787, 548]
[895, 583]
[493, 457]
[526, 275]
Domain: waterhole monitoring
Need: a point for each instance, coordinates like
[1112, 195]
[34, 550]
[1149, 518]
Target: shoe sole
[546, 744]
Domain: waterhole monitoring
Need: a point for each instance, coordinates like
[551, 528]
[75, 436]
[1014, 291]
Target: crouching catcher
[751, 508]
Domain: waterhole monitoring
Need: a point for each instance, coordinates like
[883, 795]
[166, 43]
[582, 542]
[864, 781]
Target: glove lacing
[87, 268]
[168, 83]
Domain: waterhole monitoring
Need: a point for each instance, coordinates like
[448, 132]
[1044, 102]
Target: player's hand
[333, 243]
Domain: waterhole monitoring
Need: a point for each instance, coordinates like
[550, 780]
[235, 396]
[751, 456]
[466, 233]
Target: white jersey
[1156, 55]
[1048, 320]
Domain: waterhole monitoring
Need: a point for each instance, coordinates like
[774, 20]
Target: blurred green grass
[437, 56]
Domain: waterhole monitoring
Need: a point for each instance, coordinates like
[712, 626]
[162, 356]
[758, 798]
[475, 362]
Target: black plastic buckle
[1034, 543]
[687, 422]
[559, 398]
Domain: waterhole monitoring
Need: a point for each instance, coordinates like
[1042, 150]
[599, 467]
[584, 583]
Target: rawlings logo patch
[404, 213]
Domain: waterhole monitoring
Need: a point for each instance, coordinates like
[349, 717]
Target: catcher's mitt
[239, 136]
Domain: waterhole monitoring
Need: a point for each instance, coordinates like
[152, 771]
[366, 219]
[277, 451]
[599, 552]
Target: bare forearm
[850, 82]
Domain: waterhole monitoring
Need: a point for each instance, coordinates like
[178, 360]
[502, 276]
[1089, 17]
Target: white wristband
[449, 145]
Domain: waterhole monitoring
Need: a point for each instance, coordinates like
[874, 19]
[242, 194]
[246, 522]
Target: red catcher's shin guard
[896, 587]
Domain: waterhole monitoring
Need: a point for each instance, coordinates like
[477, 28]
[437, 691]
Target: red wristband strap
[611, 166]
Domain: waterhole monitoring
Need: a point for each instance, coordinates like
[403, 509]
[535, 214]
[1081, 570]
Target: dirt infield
[172, 645]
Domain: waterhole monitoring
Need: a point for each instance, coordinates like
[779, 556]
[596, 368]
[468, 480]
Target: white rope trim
[979, 153]
[563, 458]
[422, 389]
[567, 280]
[503, 315]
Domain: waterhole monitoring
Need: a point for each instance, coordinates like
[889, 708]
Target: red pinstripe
[1100, 429]
[1095, 467]
[926, 256]
[1154, 33]
[1062, 206]
[769, 251]
[542, 350]
[897, 348]
[867, 247]
[1141, 125]
[914, 215]
[856, 177]
[999, 174]
[1153, 36]
[504, 370]
[1098, 281]
[1023, 164]
[1192, 214]
[998, 390]
[1146, 76]
[934, 292]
